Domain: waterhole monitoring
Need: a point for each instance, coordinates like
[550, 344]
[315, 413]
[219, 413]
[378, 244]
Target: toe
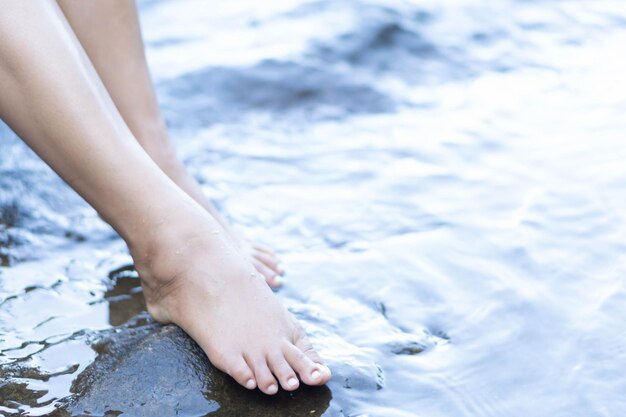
[285, 374]
[242, 373]
[268, 260]
[303, 344]
[265, 380]
[264, 249]
[270, 276]
[310, 372]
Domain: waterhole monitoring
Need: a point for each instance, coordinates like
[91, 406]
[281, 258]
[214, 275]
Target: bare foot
[263, 259]
[201, 281]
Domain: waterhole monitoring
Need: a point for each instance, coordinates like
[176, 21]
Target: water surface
[444, 181]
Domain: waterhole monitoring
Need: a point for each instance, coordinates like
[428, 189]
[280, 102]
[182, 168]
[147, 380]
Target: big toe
[305, 361]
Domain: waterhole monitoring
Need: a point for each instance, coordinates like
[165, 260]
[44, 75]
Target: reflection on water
[444, 180]
[125, 299]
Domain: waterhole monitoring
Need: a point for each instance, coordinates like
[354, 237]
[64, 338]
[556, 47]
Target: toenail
[272, 389]
[315, 374]
[292, 382]
[250, 384]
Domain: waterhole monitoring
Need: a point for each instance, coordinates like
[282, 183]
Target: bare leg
[192, 274]
[109, 32]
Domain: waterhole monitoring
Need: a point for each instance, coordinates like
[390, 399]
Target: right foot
[202, 282]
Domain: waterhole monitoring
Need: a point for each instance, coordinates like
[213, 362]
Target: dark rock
[154, 370]
[10, 213]
[284, 89]
[399, 45]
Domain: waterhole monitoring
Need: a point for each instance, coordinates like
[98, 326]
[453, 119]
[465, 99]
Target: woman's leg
[109, 32]
[192, 274]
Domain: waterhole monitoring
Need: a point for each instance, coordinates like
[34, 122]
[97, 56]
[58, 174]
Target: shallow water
[444, 181]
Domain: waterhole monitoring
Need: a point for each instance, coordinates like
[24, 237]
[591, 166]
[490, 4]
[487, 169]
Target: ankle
[176, 241]
[167, 235]
[163, 257]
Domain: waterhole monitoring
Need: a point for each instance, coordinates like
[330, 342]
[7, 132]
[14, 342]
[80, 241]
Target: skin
[110, 35]
[193, 273]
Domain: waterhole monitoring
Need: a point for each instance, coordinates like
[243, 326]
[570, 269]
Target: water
[444, 181]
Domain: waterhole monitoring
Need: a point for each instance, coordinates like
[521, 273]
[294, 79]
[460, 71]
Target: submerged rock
[154, 370]
[280, 88]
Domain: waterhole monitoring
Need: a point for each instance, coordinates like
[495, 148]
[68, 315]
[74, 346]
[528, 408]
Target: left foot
[264, 260]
